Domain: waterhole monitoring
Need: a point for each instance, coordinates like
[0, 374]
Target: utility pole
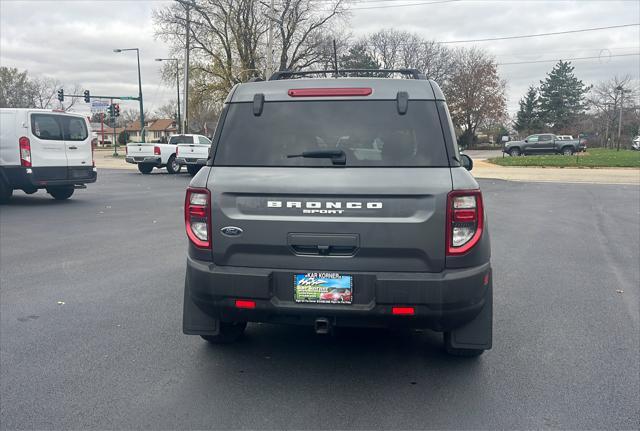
[102, 126]
[113, 124]
[185, 128]
[140, 97]
[177, 88]
[620, 117]
[269, 69]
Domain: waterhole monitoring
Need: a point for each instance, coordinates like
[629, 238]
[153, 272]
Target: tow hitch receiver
[322, 325]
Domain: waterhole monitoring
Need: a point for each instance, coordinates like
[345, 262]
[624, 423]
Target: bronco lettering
[329, 207]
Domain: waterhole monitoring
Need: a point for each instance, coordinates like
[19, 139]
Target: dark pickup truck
[545, 143]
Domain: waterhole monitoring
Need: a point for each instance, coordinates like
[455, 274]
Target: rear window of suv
[371, 133]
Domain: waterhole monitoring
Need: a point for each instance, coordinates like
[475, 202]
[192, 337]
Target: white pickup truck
[193, 154]
[153, 155]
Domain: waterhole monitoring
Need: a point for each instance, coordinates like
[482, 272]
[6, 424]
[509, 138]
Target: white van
[44, 149]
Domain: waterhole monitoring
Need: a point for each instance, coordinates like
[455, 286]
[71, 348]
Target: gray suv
[338, 202]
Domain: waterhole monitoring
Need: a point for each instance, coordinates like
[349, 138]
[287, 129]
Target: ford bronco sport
[338, 202]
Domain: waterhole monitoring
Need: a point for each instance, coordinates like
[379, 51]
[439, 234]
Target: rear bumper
[442, 301]
[40, 178]
[191, 161]
[155, 160]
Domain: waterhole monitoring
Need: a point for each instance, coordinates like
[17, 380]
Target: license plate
[323, 288]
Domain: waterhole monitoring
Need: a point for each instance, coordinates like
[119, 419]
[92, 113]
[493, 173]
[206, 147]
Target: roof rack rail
[288, 74]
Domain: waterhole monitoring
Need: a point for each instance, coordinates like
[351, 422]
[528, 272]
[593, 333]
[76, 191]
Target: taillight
[156, 150]
[25, 151]
[177, 149]
[465, 218]
[197, 217]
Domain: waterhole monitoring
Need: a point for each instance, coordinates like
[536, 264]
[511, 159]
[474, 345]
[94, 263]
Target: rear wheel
[514, 152]
[173, 167]
[229, 332]
[469, 353]
[567, 151]
[145, 168]
[61, 193]
[5, 191]
[193, 169]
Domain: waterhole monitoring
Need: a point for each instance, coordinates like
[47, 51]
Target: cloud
[72, 41]
[464, 20]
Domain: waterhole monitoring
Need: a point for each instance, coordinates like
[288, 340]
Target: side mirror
[467, 163]
[526, 141]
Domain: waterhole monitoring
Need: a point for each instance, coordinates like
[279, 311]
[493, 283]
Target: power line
[523, 36]
[567, 59]
[403, 5]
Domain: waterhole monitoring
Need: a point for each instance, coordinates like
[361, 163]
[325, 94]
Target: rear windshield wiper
[338, 157]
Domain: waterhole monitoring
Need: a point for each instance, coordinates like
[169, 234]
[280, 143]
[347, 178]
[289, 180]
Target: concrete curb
[630, 176]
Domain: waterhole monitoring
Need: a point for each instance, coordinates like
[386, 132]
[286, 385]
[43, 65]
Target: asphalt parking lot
[90, 325]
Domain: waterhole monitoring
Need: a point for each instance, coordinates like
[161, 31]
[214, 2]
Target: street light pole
[177, 87]
[185, 129]
[137, 50]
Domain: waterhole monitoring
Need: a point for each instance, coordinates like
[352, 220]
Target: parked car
[544, 143]
[151, 155]
[44, 149]
[355, 182]
[193, 153]
[635, 144]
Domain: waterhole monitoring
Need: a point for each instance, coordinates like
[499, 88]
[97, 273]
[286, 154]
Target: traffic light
[110, 110]
[61, 95]
[116, 110]
[87, 96]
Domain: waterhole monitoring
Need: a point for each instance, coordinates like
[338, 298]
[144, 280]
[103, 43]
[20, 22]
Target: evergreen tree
[562, 97]
[528, 116]
[358, 58]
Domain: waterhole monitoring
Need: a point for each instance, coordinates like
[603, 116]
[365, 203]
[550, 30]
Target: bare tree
[44, 91]
[604, 103]
[397, 49]
[302, 33]
[168, 110]
[475, 93]
[228, 38]
[18, 90]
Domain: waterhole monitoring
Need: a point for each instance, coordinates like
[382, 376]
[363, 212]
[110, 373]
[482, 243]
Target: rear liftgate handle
[323, 244]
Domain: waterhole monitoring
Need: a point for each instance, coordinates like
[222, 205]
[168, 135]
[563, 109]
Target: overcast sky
[73, 41]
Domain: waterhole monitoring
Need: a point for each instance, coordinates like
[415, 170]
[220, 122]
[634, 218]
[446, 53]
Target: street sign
[99, 105]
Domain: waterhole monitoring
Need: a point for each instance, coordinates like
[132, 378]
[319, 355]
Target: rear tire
[229, 332]
[467, 353]
[193, 169]
[5, 192]
[145, 168]
[514, 152]
[567, 151]
[61, 193]
[173, 167]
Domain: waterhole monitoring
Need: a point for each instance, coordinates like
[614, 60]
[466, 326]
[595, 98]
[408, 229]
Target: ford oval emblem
[231, 231]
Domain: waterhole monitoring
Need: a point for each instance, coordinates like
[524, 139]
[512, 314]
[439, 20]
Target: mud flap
[194, 320]
[478, 333]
